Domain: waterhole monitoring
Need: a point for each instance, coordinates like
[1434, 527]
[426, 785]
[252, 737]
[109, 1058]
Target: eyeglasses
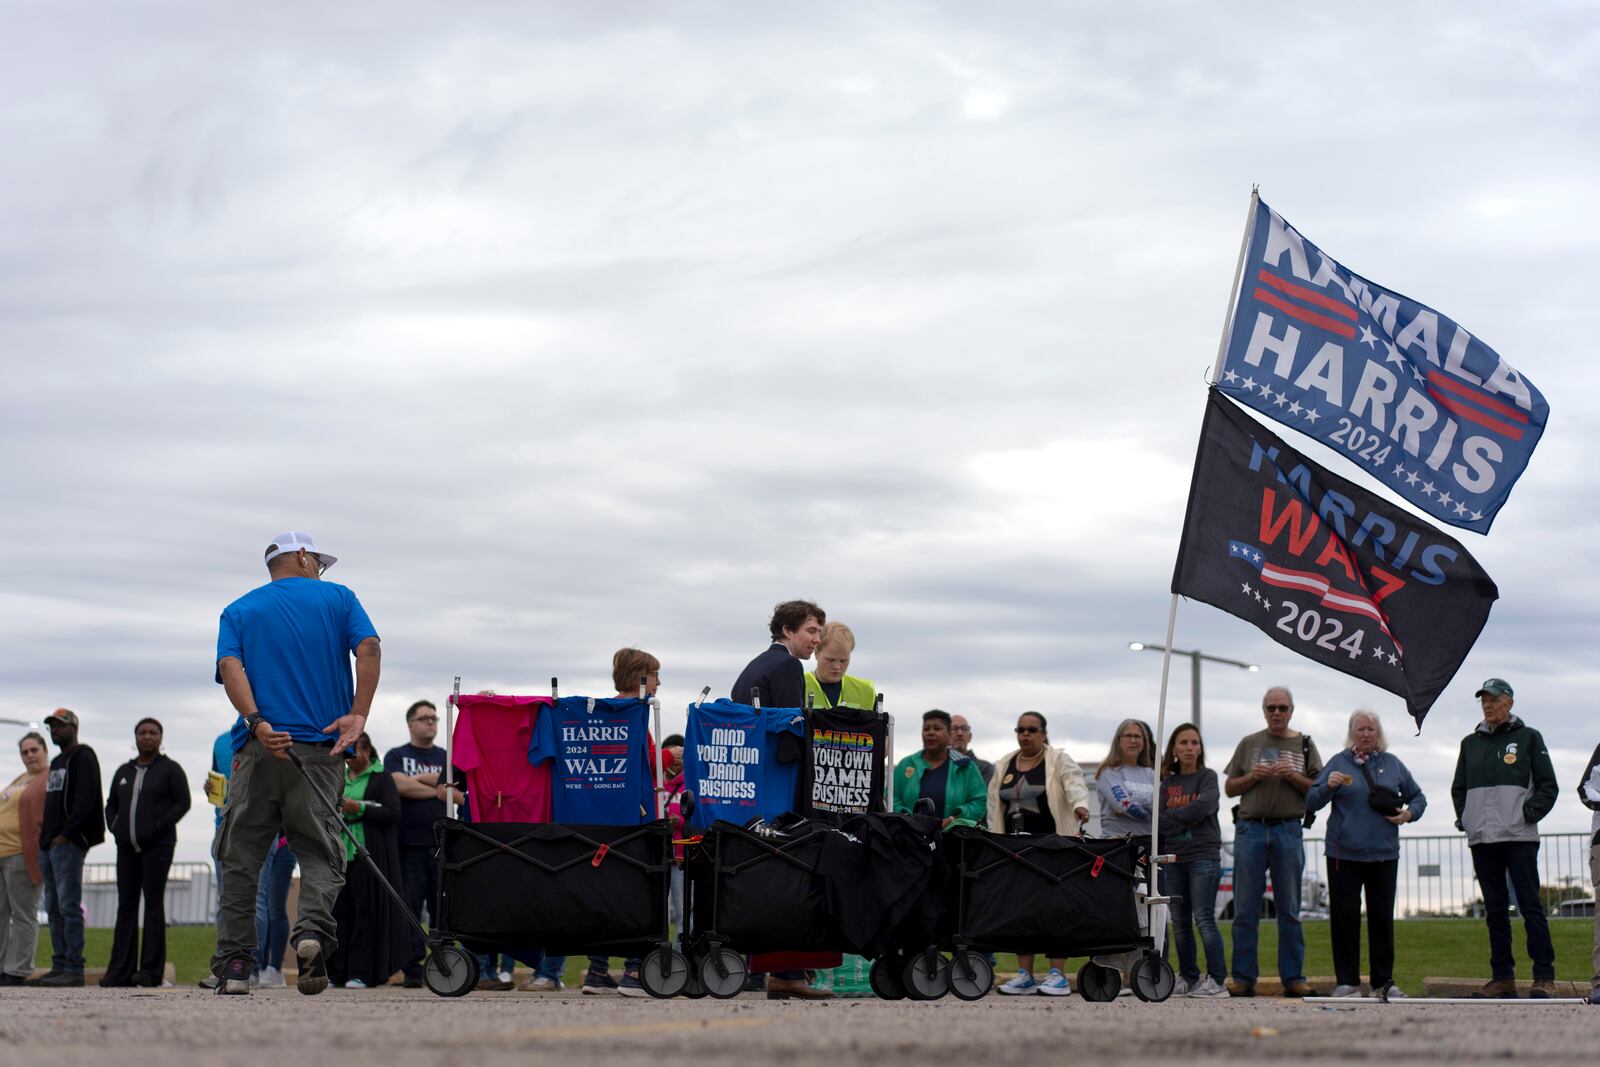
[1029, 730]
[961, 729]
[322, 567]
[426, 718]
[1277, 707]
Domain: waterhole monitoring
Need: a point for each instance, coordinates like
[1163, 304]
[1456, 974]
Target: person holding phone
[1372, 795]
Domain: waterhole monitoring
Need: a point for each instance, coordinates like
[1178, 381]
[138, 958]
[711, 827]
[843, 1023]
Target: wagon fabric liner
[565, 889]
[1050, 894]
[816, 885]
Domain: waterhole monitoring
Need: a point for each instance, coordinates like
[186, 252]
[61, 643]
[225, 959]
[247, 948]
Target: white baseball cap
[294, 541]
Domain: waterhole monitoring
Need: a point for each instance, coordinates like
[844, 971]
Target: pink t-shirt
[491, 746]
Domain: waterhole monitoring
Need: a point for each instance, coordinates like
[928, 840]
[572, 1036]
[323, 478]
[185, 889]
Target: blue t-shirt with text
[294, 637]
[600, 774]
[741, 762]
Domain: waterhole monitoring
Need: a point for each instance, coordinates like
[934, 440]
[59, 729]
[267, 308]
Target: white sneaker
[1023, 983]
[1345, 991]
[1180, 987]
[1396, 993]
[541, 984]
[270, 978]
[1208, 987]
[505, 976]
[255, 981]
[355, 983]
[1055, 984]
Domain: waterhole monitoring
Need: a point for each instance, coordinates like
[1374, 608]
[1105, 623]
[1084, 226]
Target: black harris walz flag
[1324, 567]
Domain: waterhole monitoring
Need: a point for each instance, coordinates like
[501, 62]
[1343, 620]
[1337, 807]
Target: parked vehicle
[1313, 892]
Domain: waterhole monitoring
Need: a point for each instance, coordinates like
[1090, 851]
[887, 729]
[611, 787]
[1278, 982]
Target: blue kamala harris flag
[1324, 567]
[1410, 395]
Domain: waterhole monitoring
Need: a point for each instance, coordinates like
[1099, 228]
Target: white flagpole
[1172, 610]
[1238, 271]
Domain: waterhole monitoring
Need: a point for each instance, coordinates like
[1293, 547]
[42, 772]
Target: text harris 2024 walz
[1324, 567]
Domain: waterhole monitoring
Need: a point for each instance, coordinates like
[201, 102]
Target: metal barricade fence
[1436, 878]
[191, 897]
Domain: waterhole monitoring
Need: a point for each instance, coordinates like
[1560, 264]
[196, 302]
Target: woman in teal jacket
[939, 773]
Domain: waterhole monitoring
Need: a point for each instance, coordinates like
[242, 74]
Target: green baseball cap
[1495, 687]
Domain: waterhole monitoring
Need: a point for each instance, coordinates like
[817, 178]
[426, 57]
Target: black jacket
[72, 807]
[776, 677]
[162, 802]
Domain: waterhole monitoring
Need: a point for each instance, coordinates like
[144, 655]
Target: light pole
[20, 722]
[1195, 656]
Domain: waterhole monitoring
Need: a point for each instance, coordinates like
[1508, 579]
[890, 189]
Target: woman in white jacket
[1037, 789]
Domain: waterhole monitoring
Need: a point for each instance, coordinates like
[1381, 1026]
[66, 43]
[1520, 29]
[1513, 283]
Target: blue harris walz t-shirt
[741, 762]
[417, 816]
[600, 775]
[294, 637]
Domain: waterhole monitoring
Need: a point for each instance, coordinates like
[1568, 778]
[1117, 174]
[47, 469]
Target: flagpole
[1161, 731]
[1238, 272]
[1172, 610]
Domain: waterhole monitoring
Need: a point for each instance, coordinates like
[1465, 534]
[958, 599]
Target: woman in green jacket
[950, 779]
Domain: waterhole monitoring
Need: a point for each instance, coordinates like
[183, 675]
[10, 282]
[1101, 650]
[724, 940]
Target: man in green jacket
[941, 774]
[1504, 785]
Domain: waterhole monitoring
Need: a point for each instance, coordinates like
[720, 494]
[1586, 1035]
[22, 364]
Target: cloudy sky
[570, 325]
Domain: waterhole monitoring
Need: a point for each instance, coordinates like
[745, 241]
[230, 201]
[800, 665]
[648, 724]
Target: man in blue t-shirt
[283, 657]
[775, 678]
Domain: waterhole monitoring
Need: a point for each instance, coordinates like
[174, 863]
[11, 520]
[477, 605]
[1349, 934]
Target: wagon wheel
[1152, 979]
[723, 972]
[971, 977]
[450, 971]
[884, 977]
[695, 987]
[663, 972]
[1098, 984]
[926, 980]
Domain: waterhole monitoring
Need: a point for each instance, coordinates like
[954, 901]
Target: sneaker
[630, 985]
[1022, 984]
[540, 983]
[355, 983]
[1543, 989]
[1344, 991]
[1497, 989]
[1238, 988]
[1180, 986]
[1395, 993]
[210, 981]
[1055, 984]
[255, 980]
[40, 980]
[1208, 987]
[313, 977]
[597, 982]
[505, 976]
[235, 980]
[270, 978]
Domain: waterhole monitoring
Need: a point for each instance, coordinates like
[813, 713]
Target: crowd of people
[299, 661]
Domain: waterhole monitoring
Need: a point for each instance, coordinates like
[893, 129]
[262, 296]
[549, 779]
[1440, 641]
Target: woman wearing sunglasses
[1037, 789]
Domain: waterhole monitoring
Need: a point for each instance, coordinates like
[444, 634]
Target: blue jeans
[272, 907]
[63, 900]
[1260, 847]
[420, 875]
[1192, 891]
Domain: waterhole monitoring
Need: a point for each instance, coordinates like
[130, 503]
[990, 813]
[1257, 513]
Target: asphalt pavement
[413, 1028]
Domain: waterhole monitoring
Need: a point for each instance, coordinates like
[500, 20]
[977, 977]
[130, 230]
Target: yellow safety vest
[853, 692]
